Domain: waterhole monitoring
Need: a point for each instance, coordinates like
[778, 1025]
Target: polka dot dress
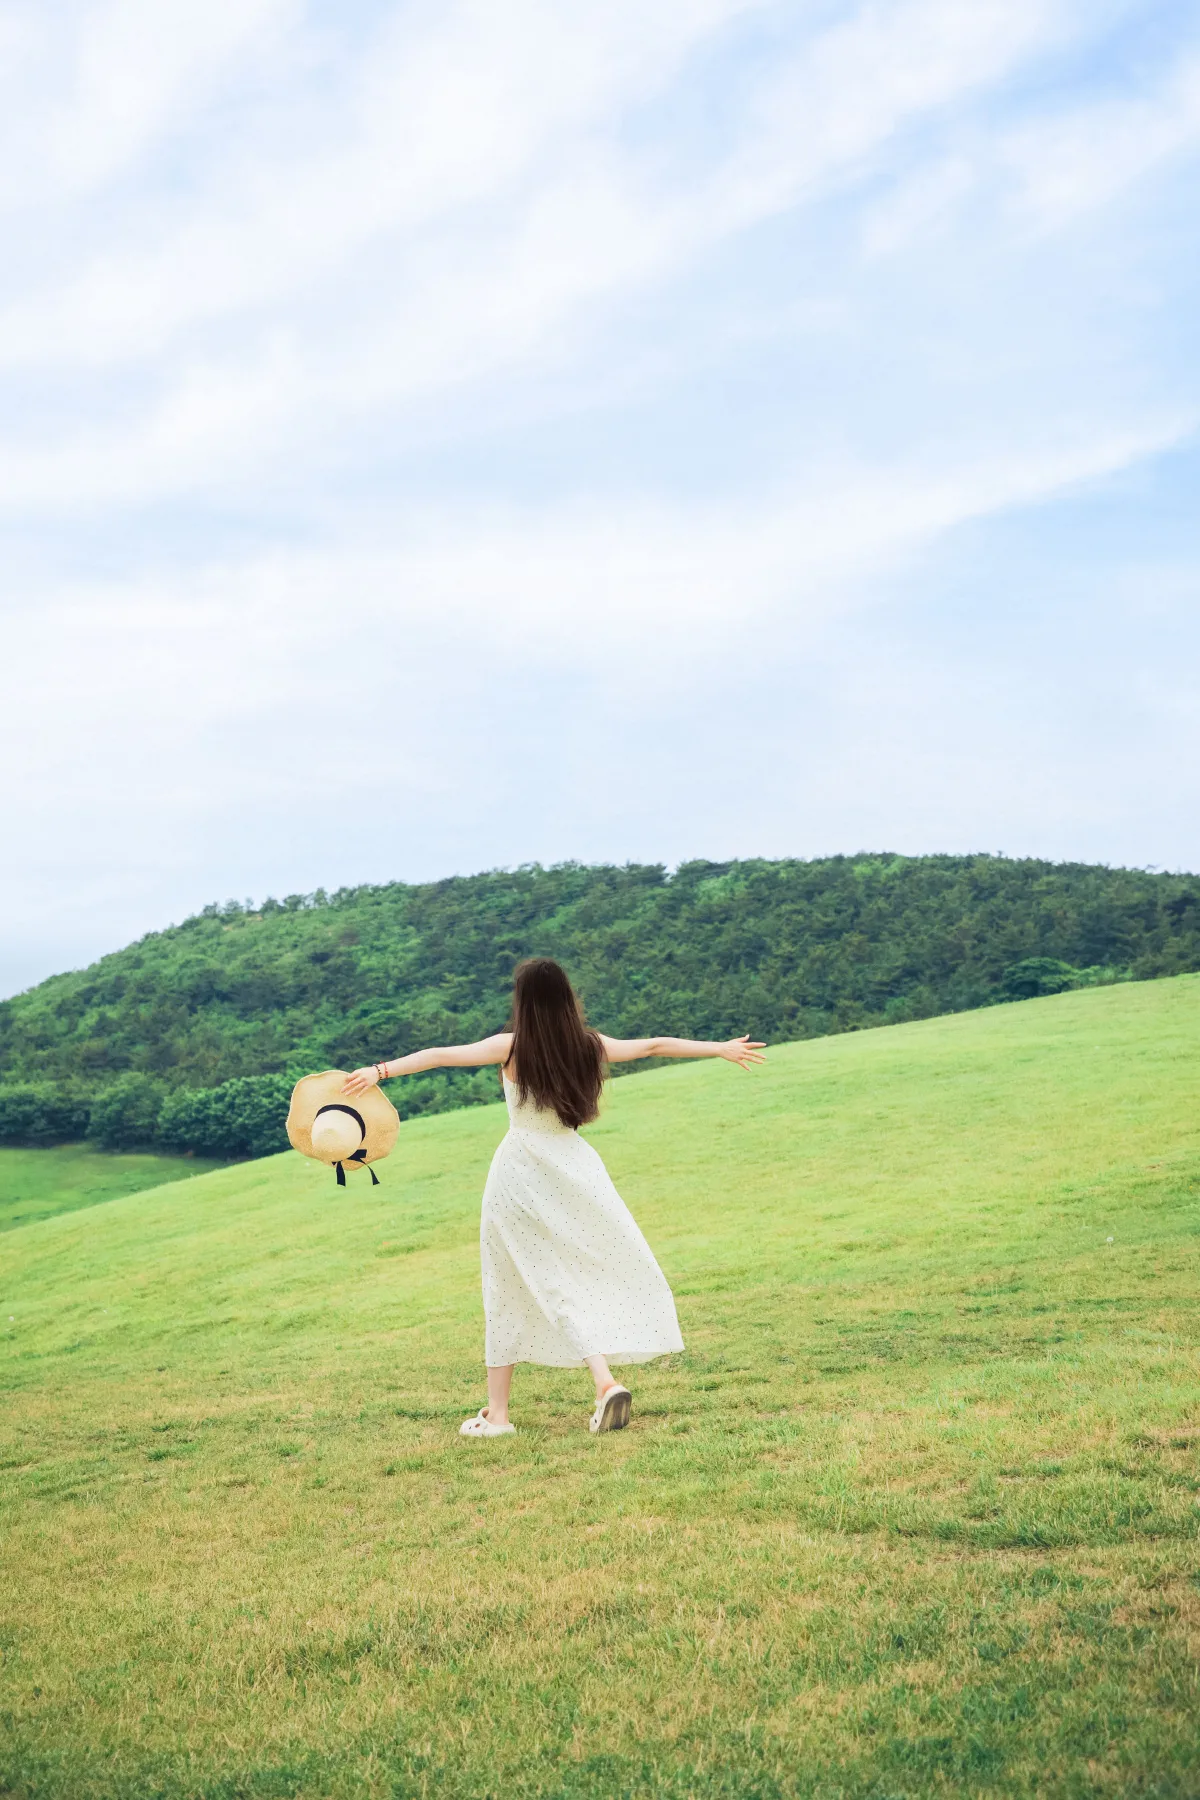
[566, 1272]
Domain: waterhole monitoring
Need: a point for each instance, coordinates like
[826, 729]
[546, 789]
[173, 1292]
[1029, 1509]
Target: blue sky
[442, 437]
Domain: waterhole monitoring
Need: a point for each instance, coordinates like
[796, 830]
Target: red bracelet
[381, 1071]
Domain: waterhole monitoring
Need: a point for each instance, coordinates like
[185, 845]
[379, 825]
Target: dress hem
[577, 1362]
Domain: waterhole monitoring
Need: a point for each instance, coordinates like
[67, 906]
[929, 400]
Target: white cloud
[1090, 155]
[79, 111]
[518, 110]
[448, 109]
[1051, 169]
[864, 80]
[641, 593]
[423, 375]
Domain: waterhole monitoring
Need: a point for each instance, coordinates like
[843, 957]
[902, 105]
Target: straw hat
[324, 1124]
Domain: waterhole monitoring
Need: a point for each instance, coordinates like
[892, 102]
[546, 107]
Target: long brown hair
[556, 1059]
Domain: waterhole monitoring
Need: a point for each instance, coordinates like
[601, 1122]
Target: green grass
[35, 1184]
[915, 1513]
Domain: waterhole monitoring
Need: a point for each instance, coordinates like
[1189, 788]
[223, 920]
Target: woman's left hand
[360, 1081]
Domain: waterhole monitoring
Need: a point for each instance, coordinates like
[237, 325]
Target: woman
[567, 1276]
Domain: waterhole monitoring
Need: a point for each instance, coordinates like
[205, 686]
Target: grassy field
[34, 1184]
[915, 1513]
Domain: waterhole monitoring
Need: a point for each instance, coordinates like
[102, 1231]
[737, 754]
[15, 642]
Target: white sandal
[612, 1410]
[481, 1426]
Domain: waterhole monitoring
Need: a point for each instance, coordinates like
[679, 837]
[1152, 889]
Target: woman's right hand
[360, 1081]
[742, 1051]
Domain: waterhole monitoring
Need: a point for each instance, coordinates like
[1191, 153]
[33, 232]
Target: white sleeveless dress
[566, 1272]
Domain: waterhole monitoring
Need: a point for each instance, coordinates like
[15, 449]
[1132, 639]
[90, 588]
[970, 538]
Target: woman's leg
[602, 1375]
[499, 1385]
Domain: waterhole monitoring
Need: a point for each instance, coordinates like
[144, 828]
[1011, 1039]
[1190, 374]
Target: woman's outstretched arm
[447, 1056]
[738, 1050]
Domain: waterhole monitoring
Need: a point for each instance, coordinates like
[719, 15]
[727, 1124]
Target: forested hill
[129, 1048]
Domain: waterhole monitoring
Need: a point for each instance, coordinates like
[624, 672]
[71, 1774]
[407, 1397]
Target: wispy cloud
[640, 596]
[1054, 166]
[85, 103]
[404, 360]
[452, 112]
[1092, 154]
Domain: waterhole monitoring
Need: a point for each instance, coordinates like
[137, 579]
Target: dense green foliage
[243, 1117]
[784, 949]
[40, 1113]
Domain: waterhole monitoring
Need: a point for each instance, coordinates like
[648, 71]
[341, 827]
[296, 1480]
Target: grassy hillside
[35, 1184]
[123, 1051]
[915, 1513]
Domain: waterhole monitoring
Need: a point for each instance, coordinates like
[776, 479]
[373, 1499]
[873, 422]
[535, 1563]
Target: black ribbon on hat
[356, 1156]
